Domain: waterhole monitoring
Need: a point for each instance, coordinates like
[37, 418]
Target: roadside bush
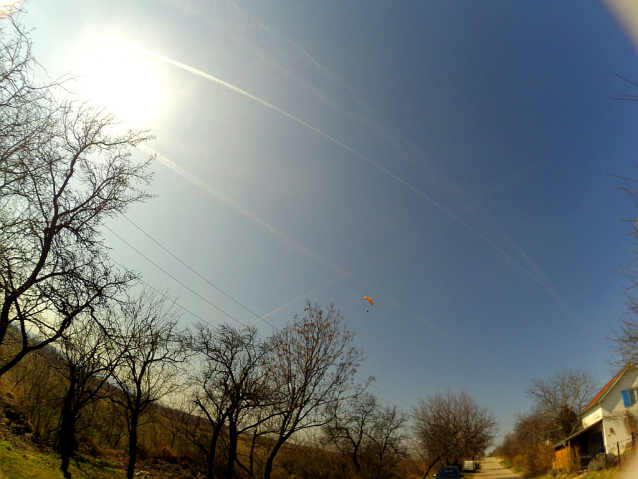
[519, 460]
[167, 455]
[538, 460]
[596, 464]
[88, 445]
[143, 450]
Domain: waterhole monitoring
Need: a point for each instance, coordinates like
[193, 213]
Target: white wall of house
[595, 414]
[612, 406]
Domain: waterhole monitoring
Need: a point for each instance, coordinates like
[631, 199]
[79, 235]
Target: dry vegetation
[169, 443]
[90, 355]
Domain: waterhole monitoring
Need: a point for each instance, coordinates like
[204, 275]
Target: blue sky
[452, 160]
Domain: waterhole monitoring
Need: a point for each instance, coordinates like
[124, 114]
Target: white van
[469, 466]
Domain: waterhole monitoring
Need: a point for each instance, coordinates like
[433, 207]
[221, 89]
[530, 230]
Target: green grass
[611, 474]
[507, 465]
[18, 463]
[614, 473]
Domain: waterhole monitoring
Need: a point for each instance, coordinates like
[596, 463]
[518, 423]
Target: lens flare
[120, 79]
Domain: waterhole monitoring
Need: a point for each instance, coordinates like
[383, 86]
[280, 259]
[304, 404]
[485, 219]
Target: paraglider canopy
[369, 300]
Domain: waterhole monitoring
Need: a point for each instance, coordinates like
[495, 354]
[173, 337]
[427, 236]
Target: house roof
[576, 434]
[606, 388]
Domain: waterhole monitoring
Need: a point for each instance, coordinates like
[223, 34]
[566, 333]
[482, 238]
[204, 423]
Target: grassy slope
[507, 465]
[611, 474]
[18, 463]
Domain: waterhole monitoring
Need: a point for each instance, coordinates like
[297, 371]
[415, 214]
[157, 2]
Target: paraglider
[370, 301]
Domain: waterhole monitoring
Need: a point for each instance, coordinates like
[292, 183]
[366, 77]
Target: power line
[216, 307]
[391, 395]
[173, 277]
[165, 296]
[197, 273]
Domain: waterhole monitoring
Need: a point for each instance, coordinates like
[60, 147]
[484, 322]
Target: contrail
[233, 204]
[346, 147]
[412, 313]
[303, 296]
[376, 292]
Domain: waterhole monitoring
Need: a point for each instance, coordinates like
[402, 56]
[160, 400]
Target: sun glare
[120, 79]
[8, 8]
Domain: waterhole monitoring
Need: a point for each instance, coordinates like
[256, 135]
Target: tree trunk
[431, 465]
[355, 460]
[132, 445]
[271, 458]
[232, 447]
[213, 447]
[67, 442]
[66, 434]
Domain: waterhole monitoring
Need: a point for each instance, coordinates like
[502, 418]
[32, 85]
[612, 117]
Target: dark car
[448, 471]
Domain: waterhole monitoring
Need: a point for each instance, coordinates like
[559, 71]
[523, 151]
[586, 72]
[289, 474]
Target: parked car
[469, 466]
[448, 471]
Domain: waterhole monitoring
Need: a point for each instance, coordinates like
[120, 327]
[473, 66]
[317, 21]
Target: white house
[603, 429]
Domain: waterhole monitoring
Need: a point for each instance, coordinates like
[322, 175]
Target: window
[630, 397]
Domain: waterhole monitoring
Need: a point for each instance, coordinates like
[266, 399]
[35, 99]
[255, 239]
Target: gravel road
[491, 469]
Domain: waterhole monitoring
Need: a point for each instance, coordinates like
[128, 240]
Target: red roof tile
[602, 391]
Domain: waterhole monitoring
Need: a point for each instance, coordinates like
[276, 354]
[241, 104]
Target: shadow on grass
[89, 467]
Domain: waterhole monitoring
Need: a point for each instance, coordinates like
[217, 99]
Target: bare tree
[150, 346]
[561, 397]
[312, 366]
[386, 446]
[625, 336]
[369, 435]
[450, 426]
[231, 384]
[63, 171]
[86, 359]
[24, 105]
[178, 416]
[351, 427]
[532, 431]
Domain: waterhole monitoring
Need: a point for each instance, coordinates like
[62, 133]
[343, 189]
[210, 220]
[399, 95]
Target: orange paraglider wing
[369, 299]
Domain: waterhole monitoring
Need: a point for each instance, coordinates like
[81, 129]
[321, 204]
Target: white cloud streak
[191, 178]
[347, 148]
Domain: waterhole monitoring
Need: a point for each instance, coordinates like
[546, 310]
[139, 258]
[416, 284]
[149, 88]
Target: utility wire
[194, 271]
[165, 296]
[216, 327]
[216, 307]
[173, 277]
[391, 395]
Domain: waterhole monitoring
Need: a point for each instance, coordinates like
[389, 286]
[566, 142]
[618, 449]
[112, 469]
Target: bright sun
[120, 79]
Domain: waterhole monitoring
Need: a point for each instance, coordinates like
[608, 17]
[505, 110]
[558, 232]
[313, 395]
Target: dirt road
[491, 469]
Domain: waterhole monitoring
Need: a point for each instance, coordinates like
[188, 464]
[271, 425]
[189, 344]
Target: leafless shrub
[150, 346]
[311, 365]
[561, 397]
[369, 435]
[450, 427]
[63, 171]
